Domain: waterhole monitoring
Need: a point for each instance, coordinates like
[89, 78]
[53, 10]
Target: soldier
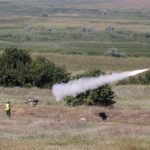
[8, 109]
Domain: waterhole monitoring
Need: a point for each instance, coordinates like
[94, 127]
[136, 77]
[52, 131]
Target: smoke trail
[75, 87]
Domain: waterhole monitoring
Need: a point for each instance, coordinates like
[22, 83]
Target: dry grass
[68, 21]
[57, 127]
[81, 63]
[20, 95]
[33, 131]
[124, 4]
[100, 24]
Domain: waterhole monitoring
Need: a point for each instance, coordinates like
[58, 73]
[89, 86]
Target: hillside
[33, 7]
[118, 4]
[76, 27]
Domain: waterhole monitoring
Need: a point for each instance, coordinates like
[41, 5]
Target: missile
[133, 73]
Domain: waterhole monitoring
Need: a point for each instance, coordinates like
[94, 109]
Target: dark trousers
[8, 113]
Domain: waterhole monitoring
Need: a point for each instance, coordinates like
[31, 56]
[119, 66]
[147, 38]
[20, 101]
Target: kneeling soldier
[8, 109]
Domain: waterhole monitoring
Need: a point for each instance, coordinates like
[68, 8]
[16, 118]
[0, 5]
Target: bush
[44, 15]
[115, 53]
[110, 28]
[42, 70]
[102, 96]
[14, 57]
[12, 64]
[46, 73]
[18, 69]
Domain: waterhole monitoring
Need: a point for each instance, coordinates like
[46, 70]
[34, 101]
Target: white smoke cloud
[75, 87]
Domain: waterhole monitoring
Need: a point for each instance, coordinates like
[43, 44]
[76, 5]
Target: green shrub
[18, 69]
[102, 96]
[12, 64]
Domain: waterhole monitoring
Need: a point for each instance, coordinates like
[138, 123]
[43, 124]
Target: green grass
[80, 63]
[74, 41]
[21, 25]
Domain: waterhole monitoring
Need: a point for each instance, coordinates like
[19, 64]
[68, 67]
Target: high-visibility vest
[7, 106]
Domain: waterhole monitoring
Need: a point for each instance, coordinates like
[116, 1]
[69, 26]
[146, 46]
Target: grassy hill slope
[72, 27]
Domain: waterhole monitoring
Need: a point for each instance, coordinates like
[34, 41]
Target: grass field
[80, 63]
[54, 126]
[77, 34]
[70, 28]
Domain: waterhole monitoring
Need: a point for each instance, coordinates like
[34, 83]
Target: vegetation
[115, 53]
[53, 126]
[140, 79]
[75, 40]
[50, 28]
[74, 28]
[18, 69]
[77, 64]
[102, 96]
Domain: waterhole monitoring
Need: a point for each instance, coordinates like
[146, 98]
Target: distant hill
[112, 4]
[115, 4]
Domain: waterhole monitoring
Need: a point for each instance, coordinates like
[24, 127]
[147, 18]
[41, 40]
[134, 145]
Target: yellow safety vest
[7, 106]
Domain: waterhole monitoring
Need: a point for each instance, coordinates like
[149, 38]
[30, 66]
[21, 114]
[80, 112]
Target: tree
[102, 96]
[42, 70]
[46, 73]
[18, 69]
[13, 57]
[60, 75]
[12, 62]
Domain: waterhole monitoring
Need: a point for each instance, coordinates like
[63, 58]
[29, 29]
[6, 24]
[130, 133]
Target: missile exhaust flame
[75, 87]
[133, 73]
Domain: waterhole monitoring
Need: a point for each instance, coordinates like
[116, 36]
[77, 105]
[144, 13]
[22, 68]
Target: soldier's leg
[8, 113]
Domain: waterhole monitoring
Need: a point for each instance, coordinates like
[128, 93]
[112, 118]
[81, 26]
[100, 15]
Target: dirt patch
[91, 114]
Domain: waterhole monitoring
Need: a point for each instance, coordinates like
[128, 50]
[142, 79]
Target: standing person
[8, 109]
